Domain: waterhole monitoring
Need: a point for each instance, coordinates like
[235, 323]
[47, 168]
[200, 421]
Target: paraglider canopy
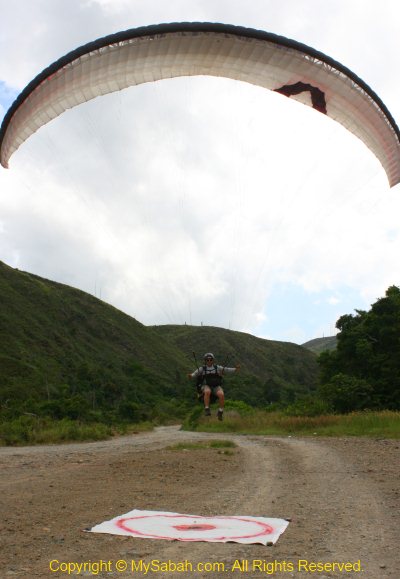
[162, 51]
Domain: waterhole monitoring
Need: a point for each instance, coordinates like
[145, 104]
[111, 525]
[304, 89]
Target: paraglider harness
[210, 378]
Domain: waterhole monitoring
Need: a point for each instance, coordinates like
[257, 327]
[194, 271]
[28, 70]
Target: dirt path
[342, 496]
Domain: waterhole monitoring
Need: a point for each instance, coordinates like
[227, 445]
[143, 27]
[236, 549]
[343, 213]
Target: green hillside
[66, 354]
[271, 371]
[319, 345]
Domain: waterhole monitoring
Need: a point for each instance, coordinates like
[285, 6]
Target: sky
[201, 200]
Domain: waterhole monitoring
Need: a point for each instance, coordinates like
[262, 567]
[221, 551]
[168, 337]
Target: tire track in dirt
[338, 514]
[341, 494]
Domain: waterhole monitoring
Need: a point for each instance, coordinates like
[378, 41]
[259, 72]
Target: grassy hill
[64, 353]
[271, 371]
[319, 345]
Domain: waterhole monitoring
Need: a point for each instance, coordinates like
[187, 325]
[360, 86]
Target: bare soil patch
[342, 496]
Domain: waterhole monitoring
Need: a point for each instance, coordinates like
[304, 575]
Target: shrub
[240, 407]
[308, 406]
[346, 393]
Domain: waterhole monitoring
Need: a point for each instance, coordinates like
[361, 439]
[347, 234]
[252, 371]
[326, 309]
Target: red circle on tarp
[124, 524]
[194, 527]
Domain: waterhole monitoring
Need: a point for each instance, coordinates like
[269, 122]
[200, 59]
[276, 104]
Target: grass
[384, 424]
[27, 430]
[30, 430]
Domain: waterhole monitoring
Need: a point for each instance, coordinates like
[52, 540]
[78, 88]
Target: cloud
[201, 199]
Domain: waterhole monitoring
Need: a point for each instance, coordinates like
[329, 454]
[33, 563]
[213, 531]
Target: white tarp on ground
[178, 527]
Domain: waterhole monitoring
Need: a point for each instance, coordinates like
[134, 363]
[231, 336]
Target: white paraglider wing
[164, 51]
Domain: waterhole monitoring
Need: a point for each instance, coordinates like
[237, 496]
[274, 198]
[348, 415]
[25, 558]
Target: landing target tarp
[178, 527]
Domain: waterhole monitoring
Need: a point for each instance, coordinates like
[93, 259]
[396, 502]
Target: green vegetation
[319, 345]
[75, 367]
[384, 424]
[27, 430]
[64, 355]
[32, 430]
[364, 370]
[271, 371]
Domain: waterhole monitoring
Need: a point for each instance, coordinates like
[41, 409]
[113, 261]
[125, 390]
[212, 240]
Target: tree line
[364, 370]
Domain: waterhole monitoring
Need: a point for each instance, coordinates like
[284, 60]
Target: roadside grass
[383, 424]
[30, 430]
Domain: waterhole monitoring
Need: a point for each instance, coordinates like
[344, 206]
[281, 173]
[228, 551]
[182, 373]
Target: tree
[347, 393]
[368, 350]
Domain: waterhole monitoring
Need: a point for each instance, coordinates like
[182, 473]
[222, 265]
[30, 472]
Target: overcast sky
[205, 200]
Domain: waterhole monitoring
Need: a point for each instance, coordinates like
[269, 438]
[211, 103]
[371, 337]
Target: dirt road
[342, 496]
